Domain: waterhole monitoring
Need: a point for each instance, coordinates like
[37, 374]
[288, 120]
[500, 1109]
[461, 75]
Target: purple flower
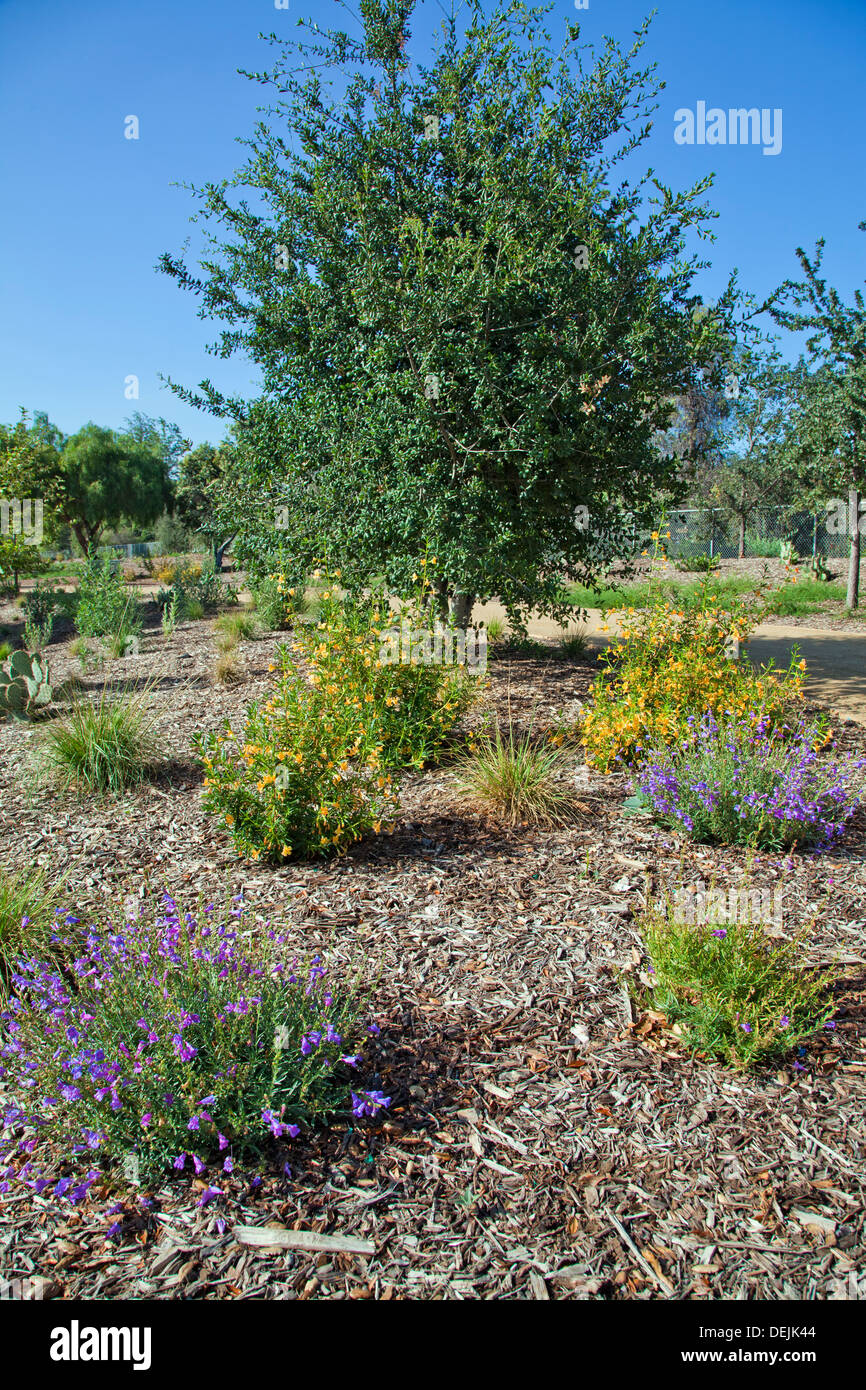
[179, 1162]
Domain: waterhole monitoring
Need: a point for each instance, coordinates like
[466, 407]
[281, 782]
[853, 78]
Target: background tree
[29, 453]
[753, 472]
[164, 438]
[106, 479]
[468, 324]
[205, 495]
[827, 440]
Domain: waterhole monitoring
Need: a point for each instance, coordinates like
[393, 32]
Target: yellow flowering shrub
[305, 779]
[310, 774]
[410, 708]
[669, 663]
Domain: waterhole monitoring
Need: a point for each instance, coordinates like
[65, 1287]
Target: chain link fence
[711, 531]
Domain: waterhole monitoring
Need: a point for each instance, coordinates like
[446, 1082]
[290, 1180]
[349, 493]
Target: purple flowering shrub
[739, 783]
[183, 1040]
[736, 992]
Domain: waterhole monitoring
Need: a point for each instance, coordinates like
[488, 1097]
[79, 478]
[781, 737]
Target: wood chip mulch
[549, 1138]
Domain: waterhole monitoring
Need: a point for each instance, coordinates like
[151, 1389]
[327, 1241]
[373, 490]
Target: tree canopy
[469, 323]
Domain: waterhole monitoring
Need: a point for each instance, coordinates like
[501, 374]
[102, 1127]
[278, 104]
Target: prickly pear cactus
[24, 685]
[818, 568]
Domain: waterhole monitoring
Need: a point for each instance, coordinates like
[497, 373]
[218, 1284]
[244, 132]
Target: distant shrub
[171, 536]
[105, 606]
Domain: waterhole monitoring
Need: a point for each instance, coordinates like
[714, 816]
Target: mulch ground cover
[550, 1136]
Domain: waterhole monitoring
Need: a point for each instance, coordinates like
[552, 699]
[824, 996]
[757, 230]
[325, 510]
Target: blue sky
[87, 212]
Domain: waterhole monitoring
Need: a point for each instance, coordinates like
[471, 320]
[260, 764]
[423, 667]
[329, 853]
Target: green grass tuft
[25, 895]
[105, 746]
[518, 778]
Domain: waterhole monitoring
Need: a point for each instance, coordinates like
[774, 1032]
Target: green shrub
[171, 536]
[737, 993]
[277, 602]
[203, 1061]
[305, 780]
[209, 590]
[697, 564]
[104, 605]
[106, 746]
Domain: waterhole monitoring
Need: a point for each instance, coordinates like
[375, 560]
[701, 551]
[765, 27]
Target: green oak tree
[468, 322]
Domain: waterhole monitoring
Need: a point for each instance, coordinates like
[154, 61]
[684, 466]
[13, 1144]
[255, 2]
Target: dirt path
[836, 661]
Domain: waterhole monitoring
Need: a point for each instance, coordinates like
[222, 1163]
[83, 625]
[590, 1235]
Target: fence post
[712, 532]
[815, 537]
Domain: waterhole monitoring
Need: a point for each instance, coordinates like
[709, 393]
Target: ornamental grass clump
[107, 745]
[27, 904]
[178, 1042]
[735, 991]
[740, 782]
[674, 661]
[517, 777]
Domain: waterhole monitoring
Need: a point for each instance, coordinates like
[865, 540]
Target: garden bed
[548, 1136]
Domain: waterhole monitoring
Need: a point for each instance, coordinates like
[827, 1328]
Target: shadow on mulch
[436, 836]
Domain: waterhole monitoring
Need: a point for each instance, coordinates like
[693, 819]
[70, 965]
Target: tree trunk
[218, 553]
[741, 546]
[853, 597]
[461, 608]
